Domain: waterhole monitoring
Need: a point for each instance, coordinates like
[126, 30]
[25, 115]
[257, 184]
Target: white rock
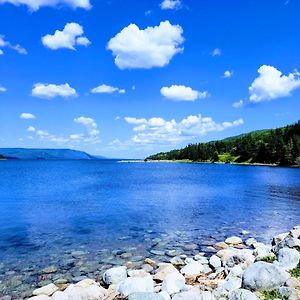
[137, 273]
[165, 295]
[40, 297]
[280, 237]
[173, 283]
[224, 254]
[207, 295]
[288, 258]
[231, 284]
[215, 261]
[250, 242]
[136, 285]
[163, 271]
[290, 293]
[192, 269]
[233, 240]
[115, 275]
[242, 294]
[48, 290]
[59, 295]
[192, 294]
[264, 276]
[262, 250]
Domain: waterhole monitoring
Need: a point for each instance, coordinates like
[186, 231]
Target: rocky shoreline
[239, 270]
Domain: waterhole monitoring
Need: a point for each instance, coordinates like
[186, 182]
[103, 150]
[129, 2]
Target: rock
[136, 285]
[190, 247]
[173, 283]
[46, 290]
[201, 259]
[115, 275]
[137, 273]
[245, 232]
[221, 245]
[224, 254]
[289, 293]
[288, 258]
[289, 242]
[192, 294]
[207, 295]
[150, 262]
[230, 284]
[215, 261]
[264, 276]
[293, 282]
[261, 251]
[5, 297]
[145, 296]
[164, 295]
[192, 269]
[295, 233]
[177, 261]
[148, 268]
[40, 297]
[250, 242]
[242, 294]
[48, 270]
[59, 295]
[163, 271]
[157, 252]
[280, 237]
[233, 240]
[173, 253]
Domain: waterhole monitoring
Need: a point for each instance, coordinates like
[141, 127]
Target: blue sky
[127, 78]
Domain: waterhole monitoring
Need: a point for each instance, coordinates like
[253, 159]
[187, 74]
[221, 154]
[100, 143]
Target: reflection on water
[100, 213]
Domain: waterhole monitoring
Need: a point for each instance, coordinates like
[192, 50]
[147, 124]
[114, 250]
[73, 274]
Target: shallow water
[81, 216]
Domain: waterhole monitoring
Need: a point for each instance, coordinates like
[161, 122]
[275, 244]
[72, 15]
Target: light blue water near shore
[50, 210]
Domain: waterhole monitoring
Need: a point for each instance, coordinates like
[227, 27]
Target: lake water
[84, 216]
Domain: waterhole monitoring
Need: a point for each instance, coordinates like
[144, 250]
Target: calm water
[91, 212]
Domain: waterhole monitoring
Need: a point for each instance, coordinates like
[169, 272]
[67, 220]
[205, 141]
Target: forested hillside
[279, 146]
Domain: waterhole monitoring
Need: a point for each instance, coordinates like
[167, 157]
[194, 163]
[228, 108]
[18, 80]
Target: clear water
[50, 210]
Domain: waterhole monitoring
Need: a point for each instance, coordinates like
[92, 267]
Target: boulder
[215, 261]
[164, 295]
[48, 290]
[264, 276]
[133, 285]
[242, 294]
[115, 275]
[234, 240]
[163, 271]
[145, 296]
[173, 283]
[288, 258]
[192, 294]
[40, 297]
[192, 269]
[289, 292]
[177, 261]
[137, 273]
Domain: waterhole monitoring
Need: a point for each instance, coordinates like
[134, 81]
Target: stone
[136, 285]
[242, 294]
[150, 262]
[177, 261]
[280, 237]
[230, 284]
[215, 261]
[250, 242]
[40, 297]
[192, 294]
[288, 258]
[148, 268]
[192, 269]
[233, 240]
[293, 282]
[207, 295]
[157, 252]
[289, 292]
[221, 245]
[163, 271]
[145, 296]
[295, 233]
[173, 283]
[289, 242]
[264, 276]
[137, 273]
[115, 275]
[261, 251]
[173, 253]
[164, 295]
[224, 254]
[245, 232]
[46, 290]
[48, 270]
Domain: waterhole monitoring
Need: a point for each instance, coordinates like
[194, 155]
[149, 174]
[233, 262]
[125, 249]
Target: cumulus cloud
[107, 89]
[2, 89]
[68, 38]
[27, 116]
[238, 104]
[160, 131]
[31, 129]
[182, 93]
[6, 44]
[272, 84]
[216, 52]
[146, 48]
[36, 4]
[170, 4]
[227, 74]
[43, 90]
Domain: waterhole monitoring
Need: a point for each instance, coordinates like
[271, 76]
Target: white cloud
[272, 84]
[228, 74]
[238, 104]
[6, 44]
[160, 131]
[36, 4]
[216, 52]
[53, 90]
[92, 132]
[182, 93]
[68, 38]
[146, 48]
[27, 116]
[31, 129]
[2, 89]
[170, 4]
[107, 89]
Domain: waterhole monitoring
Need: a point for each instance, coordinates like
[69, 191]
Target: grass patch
[296, 271]
[269, 258]
[271, 295]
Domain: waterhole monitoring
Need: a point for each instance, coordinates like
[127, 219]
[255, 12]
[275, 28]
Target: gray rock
[115, 275]
[242, 294]
[289, 292]
[288, 258]
[145, 296]
[264, 276]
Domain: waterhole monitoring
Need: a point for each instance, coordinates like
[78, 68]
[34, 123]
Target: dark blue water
[51, 208]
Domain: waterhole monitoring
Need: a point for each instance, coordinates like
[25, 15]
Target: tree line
[279, 146]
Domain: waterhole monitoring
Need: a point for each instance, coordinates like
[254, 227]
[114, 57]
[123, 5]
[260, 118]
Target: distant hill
[279, 146]
[46, 154]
